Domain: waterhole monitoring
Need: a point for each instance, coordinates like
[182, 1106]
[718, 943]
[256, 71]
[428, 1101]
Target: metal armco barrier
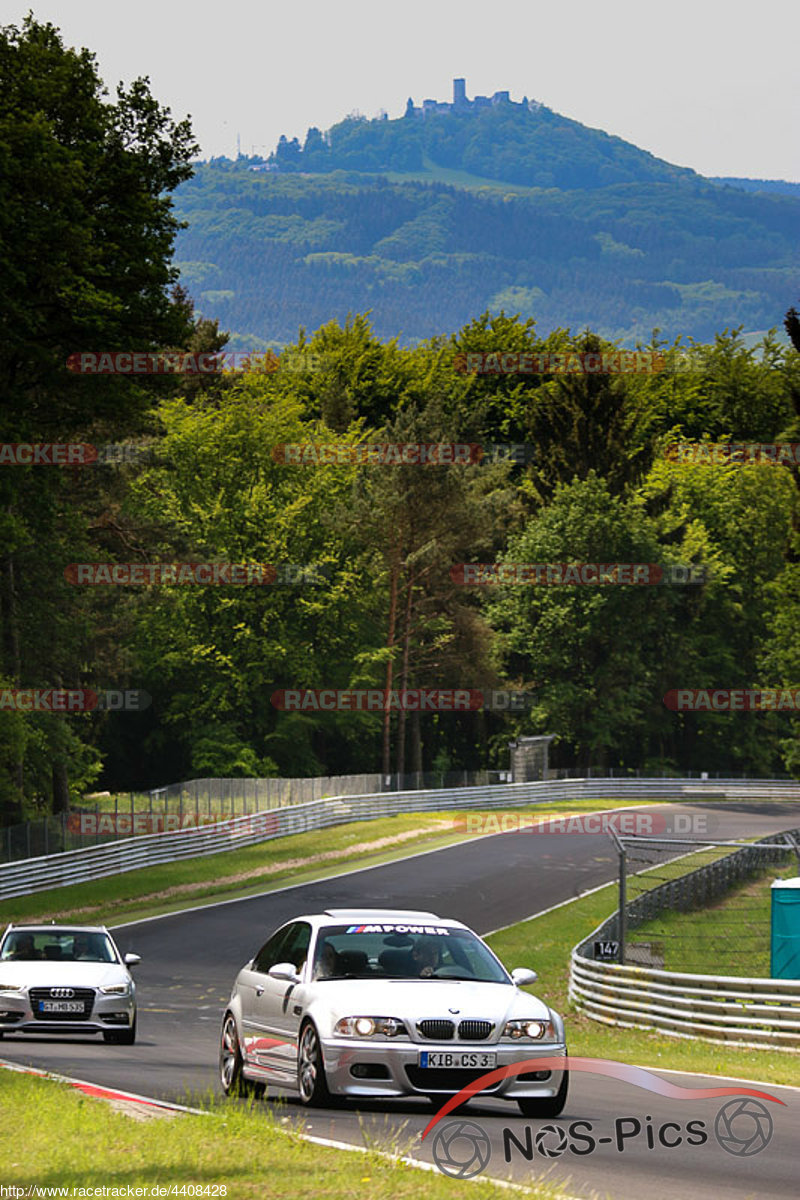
[717, 1008]
[129, 854]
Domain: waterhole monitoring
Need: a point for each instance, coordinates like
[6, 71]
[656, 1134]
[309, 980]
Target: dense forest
[87, 236]
[266, 252]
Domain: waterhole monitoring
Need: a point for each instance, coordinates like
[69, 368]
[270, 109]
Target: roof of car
[376, 916]
[381, 913]
[48, 928]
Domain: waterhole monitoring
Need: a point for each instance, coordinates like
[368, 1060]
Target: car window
[295, 949]
[271, 952]
[54, 945]
[404, 952]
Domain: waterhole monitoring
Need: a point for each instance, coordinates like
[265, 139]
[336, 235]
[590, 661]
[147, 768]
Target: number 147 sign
[606, 951]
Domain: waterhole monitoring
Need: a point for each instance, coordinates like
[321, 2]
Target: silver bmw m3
[376, 1003]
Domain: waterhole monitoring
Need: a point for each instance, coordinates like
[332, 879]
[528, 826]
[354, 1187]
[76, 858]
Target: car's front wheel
[231, 1063]
[311, 1081]
[121, 1037]
[549, 1106]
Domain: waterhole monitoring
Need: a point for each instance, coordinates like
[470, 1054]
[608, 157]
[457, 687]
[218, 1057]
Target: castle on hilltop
[460, 103]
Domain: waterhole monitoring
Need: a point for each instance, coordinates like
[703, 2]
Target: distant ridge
[778, 187]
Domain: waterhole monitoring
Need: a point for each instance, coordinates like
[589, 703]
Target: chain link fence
[200, 802]
[704, 910]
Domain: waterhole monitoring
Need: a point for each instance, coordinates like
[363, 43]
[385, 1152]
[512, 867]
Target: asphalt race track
[190, 960]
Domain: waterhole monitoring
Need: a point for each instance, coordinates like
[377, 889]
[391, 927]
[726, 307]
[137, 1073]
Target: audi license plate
[457, 1058]
[61, 1006]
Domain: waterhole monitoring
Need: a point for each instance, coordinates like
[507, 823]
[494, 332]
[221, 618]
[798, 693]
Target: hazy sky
[701, 83]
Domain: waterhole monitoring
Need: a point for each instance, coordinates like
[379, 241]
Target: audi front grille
[84, 996]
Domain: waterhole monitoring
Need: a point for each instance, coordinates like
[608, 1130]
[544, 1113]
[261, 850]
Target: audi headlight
[12, 987]
[116, 989]
[537, 1031]
[365, 1027]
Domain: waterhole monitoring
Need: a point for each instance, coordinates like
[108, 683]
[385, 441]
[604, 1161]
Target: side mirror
[284, 971]
[132, 960]
[522, 976]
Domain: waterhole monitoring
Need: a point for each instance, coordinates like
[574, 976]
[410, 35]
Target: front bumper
[391, 1068]
[105, 1013]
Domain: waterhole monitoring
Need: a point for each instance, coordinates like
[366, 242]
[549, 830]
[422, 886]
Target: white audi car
[378, 1003]
[66, 979]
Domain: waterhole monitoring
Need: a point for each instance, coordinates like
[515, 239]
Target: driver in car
[80, 947]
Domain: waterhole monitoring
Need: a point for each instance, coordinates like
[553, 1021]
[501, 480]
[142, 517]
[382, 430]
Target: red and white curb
[128, 1101]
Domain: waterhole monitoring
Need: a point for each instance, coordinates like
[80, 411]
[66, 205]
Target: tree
[86, 235]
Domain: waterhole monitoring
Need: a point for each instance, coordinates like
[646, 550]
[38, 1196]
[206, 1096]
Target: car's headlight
[116, 989]
[12, 987]
[365, 1027]
[538, 1031]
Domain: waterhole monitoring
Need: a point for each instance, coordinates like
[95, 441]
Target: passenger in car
[426, 957]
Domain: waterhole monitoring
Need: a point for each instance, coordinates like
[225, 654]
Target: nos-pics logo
[462, 1149]
[743, 1125]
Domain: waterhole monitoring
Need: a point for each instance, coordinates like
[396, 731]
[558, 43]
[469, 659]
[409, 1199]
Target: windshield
[390, 951]
[57, 946]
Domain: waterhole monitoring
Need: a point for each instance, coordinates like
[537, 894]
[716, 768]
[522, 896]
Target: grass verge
[301, 858]
[54, 1137]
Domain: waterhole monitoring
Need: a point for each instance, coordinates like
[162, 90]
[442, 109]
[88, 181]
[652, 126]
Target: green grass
[54, 1137]
[278, 862]
[544, 943]
[729, 937]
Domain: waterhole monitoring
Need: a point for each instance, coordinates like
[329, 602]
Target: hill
[430, 219]
[525, 143]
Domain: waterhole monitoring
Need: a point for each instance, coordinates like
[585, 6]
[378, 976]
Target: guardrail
[717, 1008]
[112, 858]
[749, 1012]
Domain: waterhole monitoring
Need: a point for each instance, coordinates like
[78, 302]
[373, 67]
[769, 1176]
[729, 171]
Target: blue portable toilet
[785, 943]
